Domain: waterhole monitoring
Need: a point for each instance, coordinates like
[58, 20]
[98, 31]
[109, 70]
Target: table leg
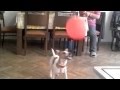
[80, 48]
[19, 42]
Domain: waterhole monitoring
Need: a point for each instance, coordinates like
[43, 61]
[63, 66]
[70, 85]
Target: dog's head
[64, 54]
[61, 57]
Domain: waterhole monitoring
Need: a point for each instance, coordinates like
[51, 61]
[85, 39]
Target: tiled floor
[36, 66]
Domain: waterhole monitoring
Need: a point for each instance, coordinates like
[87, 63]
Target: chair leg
[77, 48]
[50, 43]
[87, 41]
[46, 45]
[64, 42]
[68, 40]
[53, 41]
[83, 45]
[98, 44]
[41, 42]
[112, 43]
[3, 39]
[25, 45]
[0, 39]
[59, 42]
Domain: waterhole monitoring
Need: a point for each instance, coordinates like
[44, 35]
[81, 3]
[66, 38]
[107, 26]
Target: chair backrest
[36, 19]
[2, 18]
[0, 34]
[61, 18]
[115, 21]
[100, 24]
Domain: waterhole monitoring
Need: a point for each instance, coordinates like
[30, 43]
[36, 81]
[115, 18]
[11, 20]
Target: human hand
[83, 13]
[86, 13]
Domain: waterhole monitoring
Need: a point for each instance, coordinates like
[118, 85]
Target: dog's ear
[70, 56]
[66, 49]
[57, 51]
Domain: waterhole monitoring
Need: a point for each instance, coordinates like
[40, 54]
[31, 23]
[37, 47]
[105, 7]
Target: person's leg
[71, 45]
[93, 41]
[66, 44]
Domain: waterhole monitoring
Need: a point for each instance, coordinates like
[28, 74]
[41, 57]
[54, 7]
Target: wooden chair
[36, 26]
[6, 29]
[100, 24]
[59, 30]
[114, 25]
[3, 24]
[0, 34]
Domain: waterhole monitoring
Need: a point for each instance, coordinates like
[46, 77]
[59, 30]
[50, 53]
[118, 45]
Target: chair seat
[60, 28]
[9, 29]
[60, 33]
[35, 33]
[35, 27]
[97, 33]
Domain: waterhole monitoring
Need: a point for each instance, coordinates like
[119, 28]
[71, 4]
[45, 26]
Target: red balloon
[75, 27]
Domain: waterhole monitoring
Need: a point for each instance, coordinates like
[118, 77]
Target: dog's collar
[60, 66]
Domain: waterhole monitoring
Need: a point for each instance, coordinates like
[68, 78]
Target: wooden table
[108, 72]
[20, 28]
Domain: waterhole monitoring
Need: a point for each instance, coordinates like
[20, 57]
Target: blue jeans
[93, 38]
[69, 44]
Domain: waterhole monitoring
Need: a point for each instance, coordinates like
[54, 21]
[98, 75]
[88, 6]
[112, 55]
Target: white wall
[10, 17]
[107, 37]
[10, 20]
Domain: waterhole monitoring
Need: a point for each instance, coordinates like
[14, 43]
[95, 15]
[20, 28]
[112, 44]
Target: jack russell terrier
[58, 63]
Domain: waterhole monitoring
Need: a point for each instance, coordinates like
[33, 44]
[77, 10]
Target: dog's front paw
[50, 77]
[50, 74]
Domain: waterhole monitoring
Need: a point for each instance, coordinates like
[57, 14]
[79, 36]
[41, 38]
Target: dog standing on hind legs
[58, 63]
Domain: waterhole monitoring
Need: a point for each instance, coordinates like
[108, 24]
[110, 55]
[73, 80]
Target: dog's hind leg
[66, 77]
[51, 63]
[51, 74]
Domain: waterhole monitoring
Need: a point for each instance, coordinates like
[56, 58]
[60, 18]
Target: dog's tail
[53, 52]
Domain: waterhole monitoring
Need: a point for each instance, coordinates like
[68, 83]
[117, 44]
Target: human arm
[95, 14]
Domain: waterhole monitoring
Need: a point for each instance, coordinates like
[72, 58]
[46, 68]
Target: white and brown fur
[58, 63]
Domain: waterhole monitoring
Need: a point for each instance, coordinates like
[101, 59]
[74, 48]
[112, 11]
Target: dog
[58, 63]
